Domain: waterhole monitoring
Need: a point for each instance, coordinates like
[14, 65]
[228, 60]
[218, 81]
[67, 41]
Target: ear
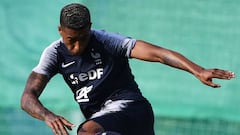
[60, 29]
[90, 25]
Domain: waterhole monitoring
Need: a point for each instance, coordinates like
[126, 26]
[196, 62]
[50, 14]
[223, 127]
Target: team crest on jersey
[96, 56]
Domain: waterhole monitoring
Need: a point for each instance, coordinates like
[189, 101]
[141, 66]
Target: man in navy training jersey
[94, 64]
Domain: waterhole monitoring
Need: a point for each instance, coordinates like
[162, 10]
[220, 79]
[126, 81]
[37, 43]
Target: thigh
[134, 118]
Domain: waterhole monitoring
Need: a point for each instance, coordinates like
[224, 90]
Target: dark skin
[76, 42]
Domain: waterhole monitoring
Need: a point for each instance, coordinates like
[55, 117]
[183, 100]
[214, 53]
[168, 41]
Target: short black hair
[75, 16]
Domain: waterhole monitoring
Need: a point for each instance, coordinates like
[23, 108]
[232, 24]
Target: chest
[87, 69]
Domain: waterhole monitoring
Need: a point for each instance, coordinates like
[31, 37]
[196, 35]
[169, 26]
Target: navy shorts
[126, 117]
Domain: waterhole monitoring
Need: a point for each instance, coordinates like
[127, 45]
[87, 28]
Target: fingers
[58, 128]
[210, 83]
[214, 85]
[209, 74]
[222, 74]
[58, 125]
[68, 124]
[61, 127]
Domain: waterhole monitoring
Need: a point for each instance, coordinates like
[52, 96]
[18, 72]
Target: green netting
[16, 122]
[193, 126]
[205, 31]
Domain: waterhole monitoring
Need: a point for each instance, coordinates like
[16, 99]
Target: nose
[77, 45]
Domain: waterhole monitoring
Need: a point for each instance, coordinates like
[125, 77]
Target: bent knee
[90, 128]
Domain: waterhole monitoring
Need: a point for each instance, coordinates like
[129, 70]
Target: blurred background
[205, 31]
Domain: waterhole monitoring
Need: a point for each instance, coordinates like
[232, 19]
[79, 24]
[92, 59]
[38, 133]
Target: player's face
[76, 41]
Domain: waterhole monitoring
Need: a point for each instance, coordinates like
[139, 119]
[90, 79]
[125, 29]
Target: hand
[207, 75]
[58, 124]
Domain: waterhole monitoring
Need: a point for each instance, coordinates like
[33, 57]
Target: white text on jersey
[85, 76]
[91, 75]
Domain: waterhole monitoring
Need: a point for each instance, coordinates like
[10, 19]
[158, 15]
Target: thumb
[210, 83]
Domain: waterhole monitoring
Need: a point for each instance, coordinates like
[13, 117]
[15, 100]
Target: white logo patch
[82, 94]
[68, 64]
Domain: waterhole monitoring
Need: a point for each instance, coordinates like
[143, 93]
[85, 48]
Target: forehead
[68, 32]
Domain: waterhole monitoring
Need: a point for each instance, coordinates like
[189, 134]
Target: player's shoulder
[101, 33]
[97, 31]
[52, 47]
[55, 44]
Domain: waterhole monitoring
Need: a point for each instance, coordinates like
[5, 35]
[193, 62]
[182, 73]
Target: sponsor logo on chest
[92, 74]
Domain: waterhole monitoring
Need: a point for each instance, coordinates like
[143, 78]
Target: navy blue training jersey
[102, 72]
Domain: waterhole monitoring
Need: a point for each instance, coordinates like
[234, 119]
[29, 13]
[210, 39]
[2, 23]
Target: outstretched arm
[31, 104]
[149, 52]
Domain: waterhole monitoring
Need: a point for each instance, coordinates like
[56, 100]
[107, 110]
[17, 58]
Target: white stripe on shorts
[112, 107]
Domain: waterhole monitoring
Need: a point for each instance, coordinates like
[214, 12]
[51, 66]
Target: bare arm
[31, 104]
[148, 52]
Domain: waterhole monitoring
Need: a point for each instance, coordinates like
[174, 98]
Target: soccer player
[94, 64]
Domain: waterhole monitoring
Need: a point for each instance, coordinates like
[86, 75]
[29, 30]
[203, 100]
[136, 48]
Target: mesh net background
[206, 32]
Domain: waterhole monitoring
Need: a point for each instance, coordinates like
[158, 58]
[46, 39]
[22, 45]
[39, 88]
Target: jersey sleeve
[116, 44]
[48, 62]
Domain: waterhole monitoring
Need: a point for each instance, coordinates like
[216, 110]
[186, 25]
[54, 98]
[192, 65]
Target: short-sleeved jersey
[102, 72]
